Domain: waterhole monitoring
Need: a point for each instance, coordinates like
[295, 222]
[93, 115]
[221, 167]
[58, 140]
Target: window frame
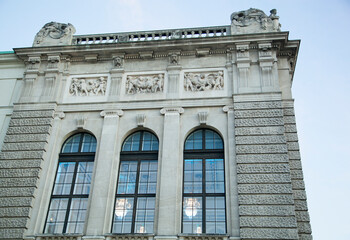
[203, 154]
[76, 158]
[136, 156]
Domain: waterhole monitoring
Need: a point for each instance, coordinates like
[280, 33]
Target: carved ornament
[172, 110]
[144, 83]
[89, 86]
[112, 113]
[54, 33]
[204, 81]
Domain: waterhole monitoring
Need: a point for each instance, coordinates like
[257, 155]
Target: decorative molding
[140, 119]
[228, 108]
[112, 113]
[202, 52]
[33, 62]
[151, 83]
[80, 121]
[59, 115]
[172, 110]
[203, 117]
[53, 61]
[146, 54]
[88, 86]
[174, 58]
[203, 81]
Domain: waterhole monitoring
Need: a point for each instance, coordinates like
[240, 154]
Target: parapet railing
[151, 35]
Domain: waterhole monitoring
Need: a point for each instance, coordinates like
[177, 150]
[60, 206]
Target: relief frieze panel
[150, 83]
[88, 86]
[203, 81]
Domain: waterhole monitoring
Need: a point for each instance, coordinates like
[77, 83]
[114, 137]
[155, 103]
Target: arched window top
[203, 139]
[80, 143]
[140, 141]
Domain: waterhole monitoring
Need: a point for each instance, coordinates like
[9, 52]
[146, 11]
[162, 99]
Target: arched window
[204, 207]
[71, 190]
[137, 183]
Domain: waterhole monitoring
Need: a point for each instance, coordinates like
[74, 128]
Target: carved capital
[140, 119]
[228, 108]
[203, 117]
[172, 110]
[59, 115]
[112, 113]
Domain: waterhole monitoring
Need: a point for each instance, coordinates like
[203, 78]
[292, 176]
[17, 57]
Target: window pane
[215, 215]
[72, 144]
[56, 215]
[83, 178]
[147, 177]
[88, 144]
[194, 141]
[132, 143]
[123, 215]
[192, 215]
[77, 215]
[150, 142]
[214, 173]
[212, 140]
[144, 215]
[64, 178]
[127, 177]
[193, 176]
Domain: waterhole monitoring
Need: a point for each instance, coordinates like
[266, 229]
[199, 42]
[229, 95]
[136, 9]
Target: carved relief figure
[144, 84]
[54, 33]
[88, 87]
[204, 81]
[254, 20]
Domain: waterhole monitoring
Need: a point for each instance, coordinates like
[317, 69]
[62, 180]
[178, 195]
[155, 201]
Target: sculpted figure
[54, 33]
[144, 84]
[203, 81]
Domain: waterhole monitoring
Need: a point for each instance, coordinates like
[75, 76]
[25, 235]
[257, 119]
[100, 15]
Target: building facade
[169, 134]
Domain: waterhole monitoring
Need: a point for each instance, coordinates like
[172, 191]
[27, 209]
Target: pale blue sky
[321, 85]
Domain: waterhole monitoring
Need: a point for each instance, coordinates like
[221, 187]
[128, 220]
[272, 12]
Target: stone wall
[20, 160]
[265, 192]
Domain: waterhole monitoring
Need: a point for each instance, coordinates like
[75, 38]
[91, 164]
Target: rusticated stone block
[255, 122]
[32, 114]
[18, 182]
[290, 128]
[13, 222]
[14, 212]
[258, 113]
[299, 194]
[296, 174]
[263, 168]
[269, 233]
[304, 227]
[30, 122]
[246, 149]
[266, 210]
[26, 138]
[295, 164]
[295, 155]
[260, 139]
[21, 155]
[262, 158]
[28, 130]
[264, 188]
[28, 163]
[12, 233]
[265, 199]
[16, 202]
[300, 205]
[259, 130]
[274, 222]
[298, 185]
[23, 146]
[17, 192]
[289, 119]
[293, 146]
[288, 112]
[257, 105]
[302, 216]
[263, 178]
[291, 137]
[16, 173]
[305, 237]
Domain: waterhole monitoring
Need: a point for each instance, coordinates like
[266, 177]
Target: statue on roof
[54, 33]
[254, 21]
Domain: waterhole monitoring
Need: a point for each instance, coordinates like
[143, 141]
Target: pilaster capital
[112, 113]
[172, 110]
[228, 108]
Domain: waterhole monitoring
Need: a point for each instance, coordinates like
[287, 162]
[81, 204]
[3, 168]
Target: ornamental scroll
[89, 86]
[144, 84]
[204, 81]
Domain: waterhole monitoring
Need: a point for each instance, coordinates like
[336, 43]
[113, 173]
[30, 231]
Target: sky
[321, 85]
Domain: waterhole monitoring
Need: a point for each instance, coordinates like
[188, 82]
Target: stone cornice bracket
[59, 115]
[53, 61]
[33, 63]
[174, 57]
[228, 108]
[203, 118]
[112, 113]
[202, 52]
[118, 61]
[242, 52]
[265, 53]
[141, 119]
[91, 57]
[172, 110]
[80, 121]
[146, 54]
